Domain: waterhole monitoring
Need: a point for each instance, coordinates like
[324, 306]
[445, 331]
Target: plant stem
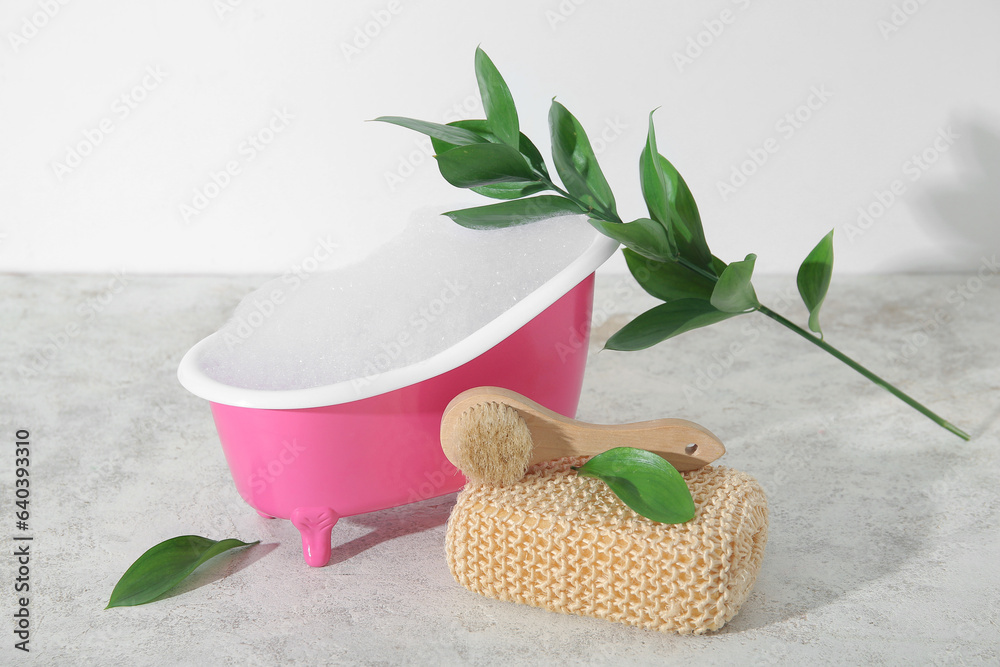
[819, 342]
[697, 269]
[611, 217]
[590, 210]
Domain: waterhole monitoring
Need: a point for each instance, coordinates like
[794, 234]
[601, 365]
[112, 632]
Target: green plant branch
[485, 152]
[906, 398]
[610, 217]
[603, 215]
[818, 341]
[697, 269]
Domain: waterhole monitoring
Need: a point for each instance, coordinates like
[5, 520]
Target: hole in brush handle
[691, 449]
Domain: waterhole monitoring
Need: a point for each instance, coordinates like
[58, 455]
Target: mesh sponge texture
[569, 545]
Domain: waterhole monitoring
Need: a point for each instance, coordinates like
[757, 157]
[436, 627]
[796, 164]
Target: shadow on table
[844, 513]
[220, 567]
[987, 423]
[963, 212]
[391, 523]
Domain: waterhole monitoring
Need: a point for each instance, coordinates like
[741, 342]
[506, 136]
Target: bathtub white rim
[199, 384]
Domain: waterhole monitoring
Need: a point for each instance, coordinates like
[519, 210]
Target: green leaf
[509, 189]
[668, 281]
[685, 218]
[576, 163]
[665, 321]
[497, 101]
[652, 179]
[164, 566]
[814, 279]
[644, 236]
[483, 164]
[511, 213]
[481, 127]
[669, 200]
[535, 158]
[453, 135]
[734, 292]
[647, 483]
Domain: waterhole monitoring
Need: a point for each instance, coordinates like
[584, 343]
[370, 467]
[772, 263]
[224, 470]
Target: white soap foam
[421, 293]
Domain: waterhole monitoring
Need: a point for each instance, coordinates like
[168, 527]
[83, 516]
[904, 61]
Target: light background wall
[201, 77]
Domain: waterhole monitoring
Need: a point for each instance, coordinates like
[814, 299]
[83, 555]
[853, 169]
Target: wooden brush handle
[686, 445]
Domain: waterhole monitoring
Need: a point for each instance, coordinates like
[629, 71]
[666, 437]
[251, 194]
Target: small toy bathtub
[313, 454]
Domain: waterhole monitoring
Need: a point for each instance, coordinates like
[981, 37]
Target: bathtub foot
[315, 524]
[262, 515]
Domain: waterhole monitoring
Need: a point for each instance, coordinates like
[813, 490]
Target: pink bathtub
[315, 455]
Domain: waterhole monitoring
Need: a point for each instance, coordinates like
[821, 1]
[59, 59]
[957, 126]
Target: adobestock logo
[300, 272]
[436, 480]
[697, 44]
[265, 475]
[609, 133]
[913, 168]
[899, 16]
[364, 34]
[786, 127]
[248, 151]
[247, 324]
[963, 293]
[723, 363]
[602, 312]
[423, 149]
[121, 109]
[420, 322]
[562, 12]
[88, 310]
[33, 24]
[225, 7]
[265, 307]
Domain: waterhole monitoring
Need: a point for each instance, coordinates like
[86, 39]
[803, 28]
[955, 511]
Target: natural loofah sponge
[566, 543]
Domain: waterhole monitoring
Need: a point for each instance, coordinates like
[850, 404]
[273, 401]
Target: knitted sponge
[566, 543]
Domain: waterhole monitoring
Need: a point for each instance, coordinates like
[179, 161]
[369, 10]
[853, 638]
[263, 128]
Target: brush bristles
[495, 444]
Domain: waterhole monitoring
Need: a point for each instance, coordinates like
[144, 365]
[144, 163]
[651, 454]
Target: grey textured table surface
[884, 528]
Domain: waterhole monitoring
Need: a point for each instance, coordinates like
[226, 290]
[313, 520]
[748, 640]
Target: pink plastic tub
[313, 456]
